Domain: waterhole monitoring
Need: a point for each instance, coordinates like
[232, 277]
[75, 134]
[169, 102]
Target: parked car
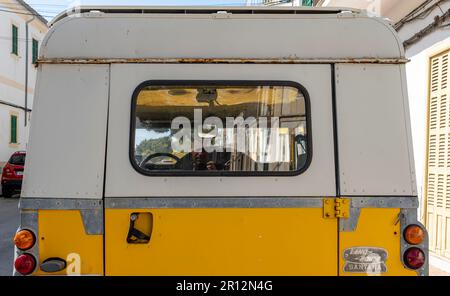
[12, 174]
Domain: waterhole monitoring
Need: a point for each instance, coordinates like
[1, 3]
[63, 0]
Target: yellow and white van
[220, 141]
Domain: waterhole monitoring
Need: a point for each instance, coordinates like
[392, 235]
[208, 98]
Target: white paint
[394, 10]
[12, 69]
[417, 70]
[68, 133]
[77, 97]
[374, 137]
[123, 180]
[418, 83]
[238, 36]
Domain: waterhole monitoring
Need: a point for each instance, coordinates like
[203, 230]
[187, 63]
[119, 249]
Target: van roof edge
[201, 10]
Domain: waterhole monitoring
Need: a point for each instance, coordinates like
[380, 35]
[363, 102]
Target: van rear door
[219, 223]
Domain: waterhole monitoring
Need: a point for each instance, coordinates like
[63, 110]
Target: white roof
[205, 32]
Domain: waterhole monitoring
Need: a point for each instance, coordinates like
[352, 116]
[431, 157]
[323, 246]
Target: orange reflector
[24, 239]
[414, 234]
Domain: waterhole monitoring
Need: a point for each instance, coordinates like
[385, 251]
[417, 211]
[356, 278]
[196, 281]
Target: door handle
[136, 236]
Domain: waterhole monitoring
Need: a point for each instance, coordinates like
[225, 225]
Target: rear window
[17, 159]
[220, 128]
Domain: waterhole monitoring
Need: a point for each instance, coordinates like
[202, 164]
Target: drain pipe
[26, 66]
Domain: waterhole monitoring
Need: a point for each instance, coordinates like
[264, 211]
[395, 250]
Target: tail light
[24, 239]
[414, 234]
[25, 264]
[414, 258]
[7, 172]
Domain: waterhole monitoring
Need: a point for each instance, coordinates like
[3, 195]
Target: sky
[50, 8]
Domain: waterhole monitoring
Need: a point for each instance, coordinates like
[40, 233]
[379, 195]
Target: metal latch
[336, 208]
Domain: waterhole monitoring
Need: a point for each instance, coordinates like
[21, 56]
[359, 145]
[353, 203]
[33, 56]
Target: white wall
[394, 10]
[22, 134]
[418, 80]
[12, 77]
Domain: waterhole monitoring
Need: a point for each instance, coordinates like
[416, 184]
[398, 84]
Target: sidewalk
[438, 266]
[434, 271]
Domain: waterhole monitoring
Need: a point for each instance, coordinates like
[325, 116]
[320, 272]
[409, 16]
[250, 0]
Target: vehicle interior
[273, 128]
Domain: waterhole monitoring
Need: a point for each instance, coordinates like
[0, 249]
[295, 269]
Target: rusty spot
[224, 61]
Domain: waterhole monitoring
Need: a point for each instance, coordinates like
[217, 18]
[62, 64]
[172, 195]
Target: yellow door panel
[376, 228]
[223, 242]
[62, 235]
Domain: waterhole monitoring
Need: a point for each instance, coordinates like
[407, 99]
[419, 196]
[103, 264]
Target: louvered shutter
[437, 193]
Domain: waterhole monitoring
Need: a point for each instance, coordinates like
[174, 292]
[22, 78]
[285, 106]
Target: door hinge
[336, 208]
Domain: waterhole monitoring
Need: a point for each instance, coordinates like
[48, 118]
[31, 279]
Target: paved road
[9, 221]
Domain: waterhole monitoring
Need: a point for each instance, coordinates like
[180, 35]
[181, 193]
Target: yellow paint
[225, 242]
[336, 208]
[377, 228]
[220, 241]
[62, 234]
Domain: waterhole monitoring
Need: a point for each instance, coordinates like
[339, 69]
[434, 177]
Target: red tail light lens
[7, 172]
[414, 258]
[25, 264]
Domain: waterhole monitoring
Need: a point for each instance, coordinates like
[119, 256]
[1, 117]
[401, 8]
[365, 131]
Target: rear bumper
[178, 225]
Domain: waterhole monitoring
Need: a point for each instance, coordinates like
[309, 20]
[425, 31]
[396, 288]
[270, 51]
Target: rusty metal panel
[222, 61]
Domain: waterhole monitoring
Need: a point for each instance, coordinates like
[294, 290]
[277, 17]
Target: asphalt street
[9, 221]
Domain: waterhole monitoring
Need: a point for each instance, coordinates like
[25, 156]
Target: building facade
[17, 72]
[423, 26]
[281, 2]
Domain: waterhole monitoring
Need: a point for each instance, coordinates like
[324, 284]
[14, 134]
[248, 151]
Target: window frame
[34, 51]
[14, 40]
[220, 83]
[15, 129]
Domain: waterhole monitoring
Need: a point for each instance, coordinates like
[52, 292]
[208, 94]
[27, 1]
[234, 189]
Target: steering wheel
[151, 166]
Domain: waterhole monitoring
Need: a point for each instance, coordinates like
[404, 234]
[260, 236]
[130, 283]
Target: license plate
[19, 173]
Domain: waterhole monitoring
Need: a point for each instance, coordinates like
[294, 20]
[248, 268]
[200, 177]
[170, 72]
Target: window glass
[217, 128]
[17, 159]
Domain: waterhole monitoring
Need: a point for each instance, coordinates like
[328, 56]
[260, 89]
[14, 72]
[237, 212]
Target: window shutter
[13, 129]
[15, 40]
[35, 50]
[437, 194]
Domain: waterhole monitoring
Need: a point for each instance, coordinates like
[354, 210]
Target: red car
[12, 174]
